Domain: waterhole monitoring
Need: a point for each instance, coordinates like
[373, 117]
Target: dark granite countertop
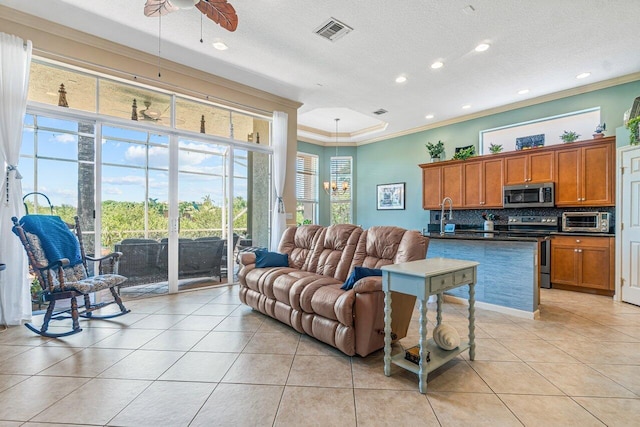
[573, 233]
[495, 236]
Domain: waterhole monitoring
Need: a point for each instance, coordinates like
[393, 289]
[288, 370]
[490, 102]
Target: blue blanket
[57, 240]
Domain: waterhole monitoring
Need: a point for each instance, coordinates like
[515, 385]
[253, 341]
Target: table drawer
[443, 281]
[463, 276]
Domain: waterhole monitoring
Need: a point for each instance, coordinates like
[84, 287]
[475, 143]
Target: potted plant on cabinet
[465, 153]
[435, 150]
[495, 148]
[632, 125]
[569, 136]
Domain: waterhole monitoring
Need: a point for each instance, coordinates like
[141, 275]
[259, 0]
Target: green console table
[423, 278]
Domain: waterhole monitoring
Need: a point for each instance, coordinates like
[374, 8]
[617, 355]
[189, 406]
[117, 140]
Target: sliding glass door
[135, 201]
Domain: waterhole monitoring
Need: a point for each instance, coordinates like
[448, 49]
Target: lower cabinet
[583, 263]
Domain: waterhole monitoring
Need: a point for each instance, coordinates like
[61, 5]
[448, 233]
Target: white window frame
[308, 195]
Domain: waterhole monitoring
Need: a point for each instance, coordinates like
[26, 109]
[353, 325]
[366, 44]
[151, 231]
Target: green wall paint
[397, 159]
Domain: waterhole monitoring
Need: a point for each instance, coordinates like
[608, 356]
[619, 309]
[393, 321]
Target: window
[123, 166]
[306, 189]
[341, 172]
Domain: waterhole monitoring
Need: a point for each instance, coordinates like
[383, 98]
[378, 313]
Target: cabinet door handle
[580, 250]
[575, 250]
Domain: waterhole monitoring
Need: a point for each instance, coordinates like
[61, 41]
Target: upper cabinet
[474, 183]
[585, 174]
[431, 187]
[530, 167]
[483, 183]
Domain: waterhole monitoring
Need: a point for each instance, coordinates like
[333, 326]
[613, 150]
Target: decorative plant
[632, 125]
[569, 136]
[601, 128]
[495, 148]
[36, 289]
[489, 216]
[465, 154]
[435, 150]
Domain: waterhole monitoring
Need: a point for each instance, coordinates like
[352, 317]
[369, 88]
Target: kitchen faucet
[442, 213]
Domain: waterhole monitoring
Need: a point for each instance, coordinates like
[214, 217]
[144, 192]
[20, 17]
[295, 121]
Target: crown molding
[514, 106]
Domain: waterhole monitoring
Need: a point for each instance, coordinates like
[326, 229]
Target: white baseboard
[497, 308]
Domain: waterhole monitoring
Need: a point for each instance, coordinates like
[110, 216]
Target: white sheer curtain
[279, 222]
[15, 60]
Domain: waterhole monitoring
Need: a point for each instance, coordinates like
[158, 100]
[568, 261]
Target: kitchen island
[508, 274]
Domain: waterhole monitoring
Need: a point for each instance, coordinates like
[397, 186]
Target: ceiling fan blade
[158, 7]
[220, 12]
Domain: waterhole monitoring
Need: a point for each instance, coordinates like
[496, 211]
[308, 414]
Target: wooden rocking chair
[58, 260]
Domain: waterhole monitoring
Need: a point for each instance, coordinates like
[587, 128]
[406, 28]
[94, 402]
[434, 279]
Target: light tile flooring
[200, 358]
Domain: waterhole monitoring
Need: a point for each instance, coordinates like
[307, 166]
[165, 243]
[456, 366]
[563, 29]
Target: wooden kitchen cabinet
[585, 174]
[583, 263]
[483, 183]
[469, 184]
[440, 181]
[530, 167]
[452, 180]
[431, 187]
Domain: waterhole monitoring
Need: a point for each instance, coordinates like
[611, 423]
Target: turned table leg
[387, 333]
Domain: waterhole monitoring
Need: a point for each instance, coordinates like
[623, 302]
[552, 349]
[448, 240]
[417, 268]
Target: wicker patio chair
[58, 260]
[138, 262]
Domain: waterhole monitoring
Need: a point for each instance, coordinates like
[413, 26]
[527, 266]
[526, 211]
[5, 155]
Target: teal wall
[397, 159]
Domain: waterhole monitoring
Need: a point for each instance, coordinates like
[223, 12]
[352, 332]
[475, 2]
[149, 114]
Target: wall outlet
[288, 215]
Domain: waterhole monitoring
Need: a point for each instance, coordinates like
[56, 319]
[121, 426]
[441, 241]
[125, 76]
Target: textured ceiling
[538, 45]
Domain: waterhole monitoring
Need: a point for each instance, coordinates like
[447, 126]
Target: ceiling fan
[219, 11]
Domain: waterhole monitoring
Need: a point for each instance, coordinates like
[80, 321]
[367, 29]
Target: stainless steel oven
[541, 227]
[539, 195]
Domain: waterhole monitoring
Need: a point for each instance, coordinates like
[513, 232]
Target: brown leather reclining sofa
[306, 295]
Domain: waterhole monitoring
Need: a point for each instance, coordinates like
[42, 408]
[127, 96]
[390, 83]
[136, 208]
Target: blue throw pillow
[271, 259]
[358, 273]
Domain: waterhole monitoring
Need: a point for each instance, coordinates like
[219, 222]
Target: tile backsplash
[473, 217]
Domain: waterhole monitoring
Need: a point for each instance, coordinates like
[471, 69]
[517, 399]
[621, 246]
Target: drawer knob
[577, 240]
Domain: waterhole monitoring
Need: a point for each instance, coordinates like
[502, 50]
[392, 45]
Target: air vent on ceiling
[333, 29]
[380, 111]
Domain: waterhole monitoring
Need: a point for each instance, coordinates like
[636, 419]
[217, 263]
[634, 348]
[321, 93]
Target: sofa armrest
[246, 258]
[368, 284]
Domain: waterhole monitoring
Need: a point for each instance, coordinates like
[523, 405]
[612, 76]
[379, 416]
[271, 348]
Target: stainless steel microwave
[538, 195]
[586, 222]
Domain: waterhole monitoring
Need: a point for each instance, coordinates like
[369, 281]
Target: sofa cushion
[271, 259]
[357, 274]
[333, 251]
[298, 243]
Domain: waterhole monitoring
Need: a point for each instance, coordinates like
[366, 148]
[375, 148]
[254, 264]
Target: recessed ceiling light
[220, 45]
[401, 79]
[429, 116]
[482, 47]
[523, 91]
[437, 65]
[466, 107]
[583, 75]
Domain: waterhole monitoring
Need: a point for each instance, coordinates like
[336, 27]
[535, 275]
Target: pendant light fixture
[331, 187]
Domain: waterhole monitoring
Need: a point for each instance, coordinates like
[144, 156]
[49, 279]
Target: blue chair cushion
[357, 274]
[271, 259]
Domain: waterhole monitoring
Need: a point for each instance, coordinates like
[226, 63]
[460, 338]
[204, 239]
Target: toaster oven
[586, 222]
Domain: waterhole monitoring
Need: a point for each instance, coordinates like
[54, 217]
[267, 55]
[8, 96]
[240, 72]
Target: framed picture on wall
[390, 196]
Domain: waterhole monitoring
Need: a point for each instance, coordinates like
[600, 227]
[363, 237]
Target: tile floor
[200, 358]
